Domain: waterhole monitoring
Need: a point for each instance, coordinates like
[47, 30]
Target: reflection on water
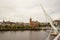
[23, 35]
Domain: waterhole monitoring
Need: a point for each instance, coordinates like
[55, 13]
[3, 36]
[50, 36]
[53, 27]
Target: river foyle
[24, 35]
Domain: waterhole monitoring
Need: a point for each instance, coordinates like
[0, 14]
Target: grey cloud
[18, 10]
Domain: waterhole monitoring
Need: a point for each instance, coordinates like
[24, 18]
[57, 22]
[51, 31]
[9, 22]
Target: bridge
[52, 26]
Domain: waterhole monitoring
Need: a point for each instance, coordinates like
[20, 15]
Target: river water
[23, 35]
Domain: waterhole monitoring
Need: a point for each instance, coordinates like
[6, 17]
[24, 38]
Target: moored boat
[54, 33]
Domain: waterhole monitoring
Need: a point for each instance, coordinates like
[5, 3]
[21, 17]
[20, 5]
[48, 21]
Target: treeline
[20, 27]
[15, 27]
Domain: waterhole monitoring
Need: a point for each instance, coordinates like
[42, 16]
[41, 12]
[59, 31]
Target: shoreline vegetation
[20, 28]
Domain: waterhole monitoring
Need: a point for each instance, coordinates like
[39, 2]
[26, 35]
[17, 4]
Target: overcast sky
[22, 10]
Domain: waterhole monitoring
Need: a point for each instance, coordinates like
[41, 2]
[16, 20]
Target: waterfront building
[26, 24]
[56, 22]
[34, 23]
[7, 23]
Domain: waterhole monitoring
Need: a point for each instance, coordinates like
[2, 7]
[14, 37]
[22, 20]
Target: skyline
[22, 10]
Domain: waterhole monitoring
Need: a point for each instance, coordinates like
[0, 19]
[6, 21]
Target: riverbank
[22, 29]
[19, 29]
